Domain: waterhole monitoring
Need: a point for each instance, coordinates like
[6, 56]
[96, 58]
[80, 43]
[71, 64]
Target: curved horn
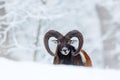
[49, 34]
[77, 34]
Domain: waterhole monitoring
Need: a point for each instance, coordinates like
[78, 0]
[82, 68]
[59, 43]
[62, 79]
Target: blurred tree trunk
[37, 40]
[108, 36]
[44, 2]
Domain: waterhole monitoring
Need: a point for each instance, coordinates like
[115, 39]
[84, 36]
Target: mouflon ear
[56, 41]
[72, 41]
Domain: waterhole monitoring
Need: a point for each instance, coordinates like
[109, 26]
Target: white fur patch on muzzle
[65, 51]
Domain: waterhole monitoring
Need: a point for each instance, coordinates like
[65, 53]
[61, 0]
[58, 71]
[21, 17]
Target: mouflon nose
[64, 49]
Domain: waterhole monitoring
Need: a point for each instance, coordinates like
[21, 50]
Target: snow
[24, 18]
[11, 70]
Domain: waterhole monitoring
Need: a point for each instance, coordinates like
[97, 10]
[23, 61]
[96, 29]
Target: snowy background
[24, 23]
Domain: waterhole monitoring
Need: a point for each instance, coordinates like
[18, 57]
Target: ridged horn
[51, 33]
[77, 34]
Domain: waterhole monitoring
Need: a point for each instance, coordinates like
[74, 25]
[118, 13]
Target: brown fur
[75, 59]
[88, 60]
